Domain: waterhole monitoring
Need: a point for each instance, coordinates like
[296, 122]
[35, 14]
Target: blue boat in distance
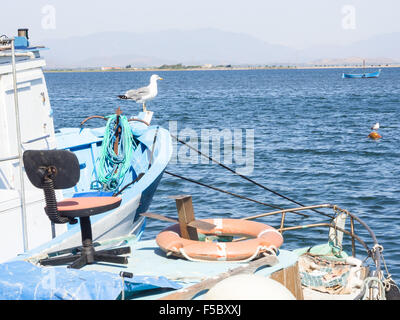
[362, 75]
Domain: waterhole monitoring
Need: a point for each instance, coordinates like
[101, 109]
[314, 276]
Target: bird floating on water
[375, 126]
[374, 134]
[144, 94]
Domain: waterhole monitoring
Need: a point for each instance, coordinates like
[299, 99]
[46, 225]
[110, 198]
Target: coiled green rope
[112, 167]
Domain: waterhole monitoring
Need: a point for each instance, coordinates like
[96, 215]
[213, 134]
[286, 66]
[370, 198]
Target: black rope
[130, 183]
[153, 147]
[230, 193]
[374, 253]
[244, 177]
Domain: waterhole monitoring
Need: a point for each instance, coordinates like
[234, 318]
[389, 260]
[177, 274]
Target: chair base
[86, 253]
[86, 256]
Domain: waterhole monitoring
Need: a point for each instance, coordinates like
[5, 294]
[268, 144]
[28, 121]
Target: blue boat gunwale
[143, 189]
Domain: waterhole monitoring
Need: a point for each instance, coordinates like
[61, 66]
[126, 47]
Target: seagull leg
[144, 107]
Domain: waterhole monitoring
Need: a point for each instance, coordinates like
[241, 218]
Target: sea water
[303, 132]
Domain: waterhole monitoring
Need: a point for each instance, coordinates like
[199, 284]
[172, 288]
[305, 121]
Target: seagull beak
[160, 78]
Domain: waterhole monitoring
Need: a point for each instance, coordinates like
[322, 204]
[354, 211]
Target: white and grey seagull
[375, 126]
[142, 95]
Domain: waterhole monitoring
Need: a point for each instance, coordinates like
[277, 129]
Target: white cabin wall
[5, 166]
[35, 122]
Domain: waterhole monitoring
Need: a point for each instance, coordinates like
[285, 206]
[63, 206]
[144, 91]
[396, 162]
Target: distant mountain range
[352, 61]
[202, 46]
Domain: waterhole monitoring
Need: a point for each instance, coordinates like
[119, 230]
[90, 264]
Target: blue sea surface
[310, 142]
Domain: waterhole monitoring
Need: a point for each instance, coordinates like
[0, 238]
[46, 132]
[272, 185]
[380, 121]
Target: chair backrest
[65, 163]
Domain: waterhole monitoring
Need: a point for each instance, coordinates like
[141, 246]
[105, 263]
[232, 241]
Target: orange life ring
[264, 239]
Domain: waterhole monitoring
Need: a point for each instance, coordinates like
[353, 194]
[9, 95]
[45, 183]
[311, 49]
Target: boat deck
[146, 259]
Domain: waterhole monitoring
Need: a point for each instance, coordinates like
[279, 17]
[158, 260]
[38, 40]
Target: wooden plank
[158, 217]
[184, 206]
[290, 278]
[198, 224]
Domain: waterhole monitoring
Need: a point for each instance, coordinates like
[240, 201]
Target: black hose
[51, 203]
[375, 254]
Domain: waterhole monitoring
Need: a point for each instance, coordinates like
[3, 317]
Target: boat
[213, 258]
[362, 75]
[324, 271]
[26, 118]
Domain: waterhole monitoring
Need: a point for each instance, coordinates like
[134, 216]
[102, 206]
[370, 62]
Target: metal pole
[353, 244]
[287, 210]
[19, 144]
[9, 158]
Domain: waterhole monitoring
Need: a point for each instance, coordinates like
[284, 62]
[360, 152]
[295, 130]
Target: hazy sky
[294, 23]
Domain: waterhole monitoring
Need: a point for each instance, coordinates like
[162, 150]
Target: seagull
[375, 126]
[144, 94]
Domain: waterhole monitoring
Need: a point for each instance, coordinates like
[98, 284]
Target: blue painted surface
[65, 236]
[21, 43]
[362, 75]
[150, 266]
[147, 195]
[310, 142]
[60, 283]
[148, 259]
[86, 145]
[93, 194]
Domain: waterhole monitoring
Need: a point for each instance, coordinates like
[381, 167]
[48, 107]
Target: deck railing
[374, 253]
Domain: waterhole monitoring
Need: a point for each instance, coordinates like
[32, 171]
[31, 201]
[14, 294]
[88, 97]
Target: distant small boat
[362, 75]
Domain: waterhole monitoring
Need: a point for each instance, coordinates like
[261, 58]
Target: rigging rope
[375, 253]
[112, 167]
[230, 193]
[244, 177]
[368, 285]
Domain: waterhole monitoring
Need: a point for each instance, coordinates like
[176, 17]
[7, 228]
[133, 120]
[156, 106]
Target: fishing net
[325, 275]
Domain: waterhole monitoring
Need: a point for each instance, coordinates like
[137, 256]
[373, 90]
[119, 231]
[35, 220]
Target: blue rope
[113, 167]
